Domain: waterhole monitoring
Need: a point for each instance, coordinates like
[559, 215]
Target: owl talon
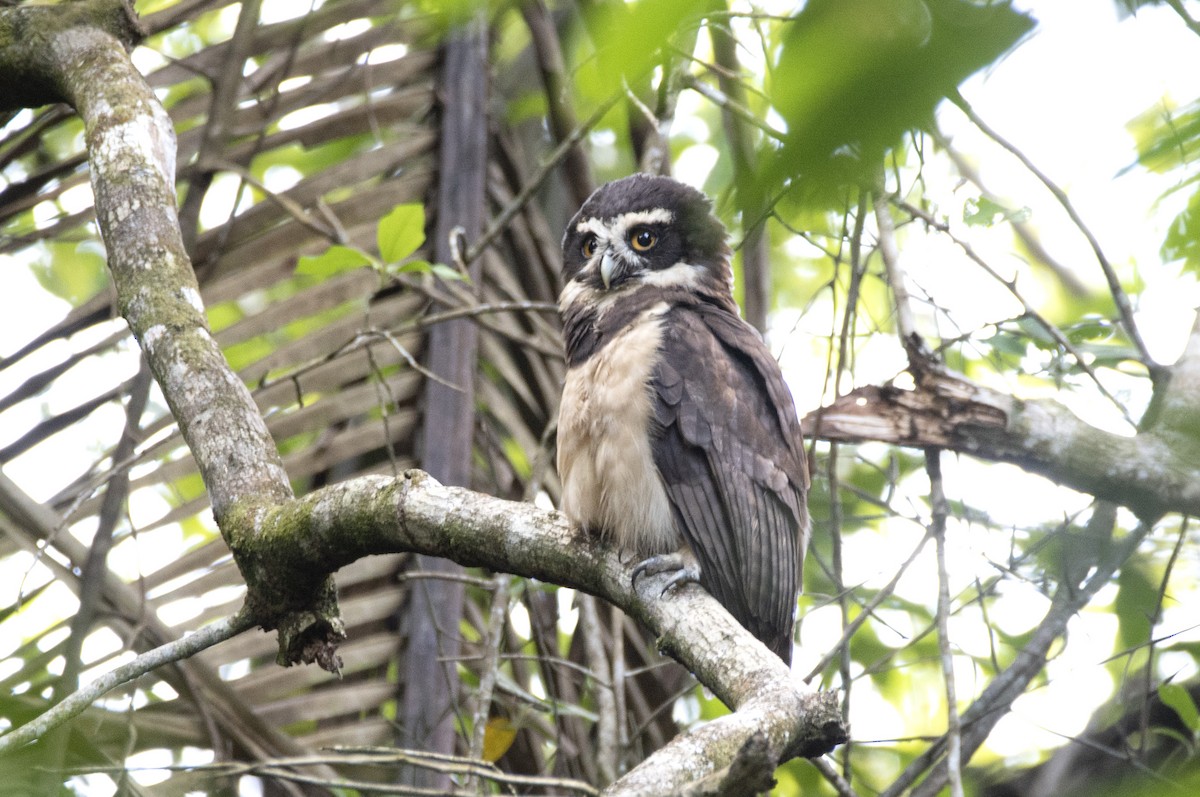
[684, 570]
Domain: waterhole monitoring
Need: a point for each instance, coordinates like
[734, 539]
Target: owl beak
[608, 268]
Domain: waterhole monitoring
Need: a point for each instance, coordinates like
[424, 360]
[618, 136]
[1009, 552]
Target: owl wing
[731, 456]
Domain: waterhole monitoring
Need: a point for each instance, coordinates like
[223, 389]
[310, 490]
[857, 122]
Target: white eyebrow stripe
[593, 225]
[620, 224]
[652, 216]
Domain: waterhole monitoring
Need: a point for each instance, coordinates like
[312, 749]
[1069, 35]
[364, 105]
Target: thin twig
[833, 778]
[996, 700]
[384, 334]
[606, 724]
[1148, 670]
[462, 578]
[547, 50]
[937, 527]
[1023, 229]
[490, 665]
[1110, 275]
[620, 704]
[378, 756]
[1029, 311]
[226, 87]
[867, 611]
[1188, 19]
[538, 177]
[78, 701]
[905, 322]
[361, 341]
[720, 99]
[326, 228]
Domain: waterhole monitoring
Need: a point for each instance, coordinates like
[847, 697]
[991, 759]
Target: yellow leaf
[498, 736]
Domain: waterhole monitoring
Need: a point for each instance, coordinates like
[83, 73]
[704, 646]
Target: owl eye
[589, 245]
[643, 239]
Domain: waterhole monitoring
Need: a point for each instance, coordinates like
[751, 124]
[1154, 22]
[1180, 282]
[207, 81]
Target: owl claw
[684, 570]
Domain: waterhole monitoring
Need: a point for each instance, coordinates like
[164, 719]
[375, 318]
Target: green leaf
[854, 75]
[401, 232]
[1183, 236]
[447, 273]
[333, 261]
[1179, 699]
[1137, 595]
[411, 267]
[1167, 138]
[635, 35]
[984, 212]
[1009, 344]
[72, 272]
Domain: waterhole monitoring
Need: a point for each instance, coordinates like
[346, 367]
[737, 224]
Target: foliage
[325, 161]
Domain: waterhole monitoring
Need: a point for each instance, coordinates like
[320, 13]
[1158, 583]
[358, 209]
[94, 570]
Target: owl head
[645, 230]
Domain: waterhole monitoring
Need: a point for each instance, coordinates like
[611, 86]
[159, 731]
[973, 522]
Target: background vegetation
[313, 196]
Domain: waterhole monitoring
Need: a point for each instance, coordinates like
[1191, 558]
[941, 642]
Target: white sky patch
[282, 10]
[77, 198]
[386, 53]
[218, 202]
[293, 83]
[519, 617]
[142, 765]
[306, 116]
[694, 164]
[348, 30]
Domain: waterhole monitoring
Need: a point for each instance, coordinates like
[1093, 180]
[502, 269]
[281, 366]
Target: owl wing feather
[731, 457]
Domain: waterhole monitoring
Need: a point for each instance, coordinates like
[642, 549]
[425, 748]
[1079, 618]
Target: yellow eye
[643, 239]
[589, 245]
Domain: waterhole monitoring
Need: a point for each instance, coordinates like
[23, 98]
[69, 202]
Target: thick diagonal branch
[373, 515]
[1151, 473]
[131, 152]
[312, 536]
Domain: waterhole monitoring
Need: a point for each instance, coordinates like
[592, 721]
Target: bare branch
[415, 513]
[500, 223]
[906, 324]
[937, 529]
[490, 664]
[606, 710]
[1148, 473]
[561, 114]
[1191, 22]
[75, 703]
[996, 700]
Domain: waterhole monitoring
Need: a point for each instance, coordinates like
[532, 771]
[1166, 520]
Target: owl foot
[684, 568]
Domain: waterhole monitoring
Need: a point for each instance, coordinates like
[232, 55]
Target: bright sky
[1064, 98]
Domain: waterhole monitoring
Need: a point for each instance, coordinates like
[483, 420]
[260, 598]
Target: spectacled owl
[677, 437]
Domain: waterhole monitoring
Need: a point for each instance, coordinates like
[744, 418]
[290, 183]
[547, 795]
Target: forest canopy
[968, 231]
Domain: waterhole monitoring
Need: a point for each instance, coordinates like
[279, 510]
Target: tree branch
[560, 112]
[372, 515]
[287, 548]
[1150, 473]
[131, 152]
[81, 699]
[756, 245]
[996, 700]
[311, 536]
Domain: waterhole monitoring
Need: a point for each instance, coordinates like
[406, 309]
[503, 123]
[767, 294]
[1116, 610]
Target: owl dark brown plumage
[677, 435]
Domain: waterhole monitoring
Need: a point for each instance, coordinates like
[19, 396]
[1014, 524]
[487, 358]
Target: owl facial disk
[614, 248]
